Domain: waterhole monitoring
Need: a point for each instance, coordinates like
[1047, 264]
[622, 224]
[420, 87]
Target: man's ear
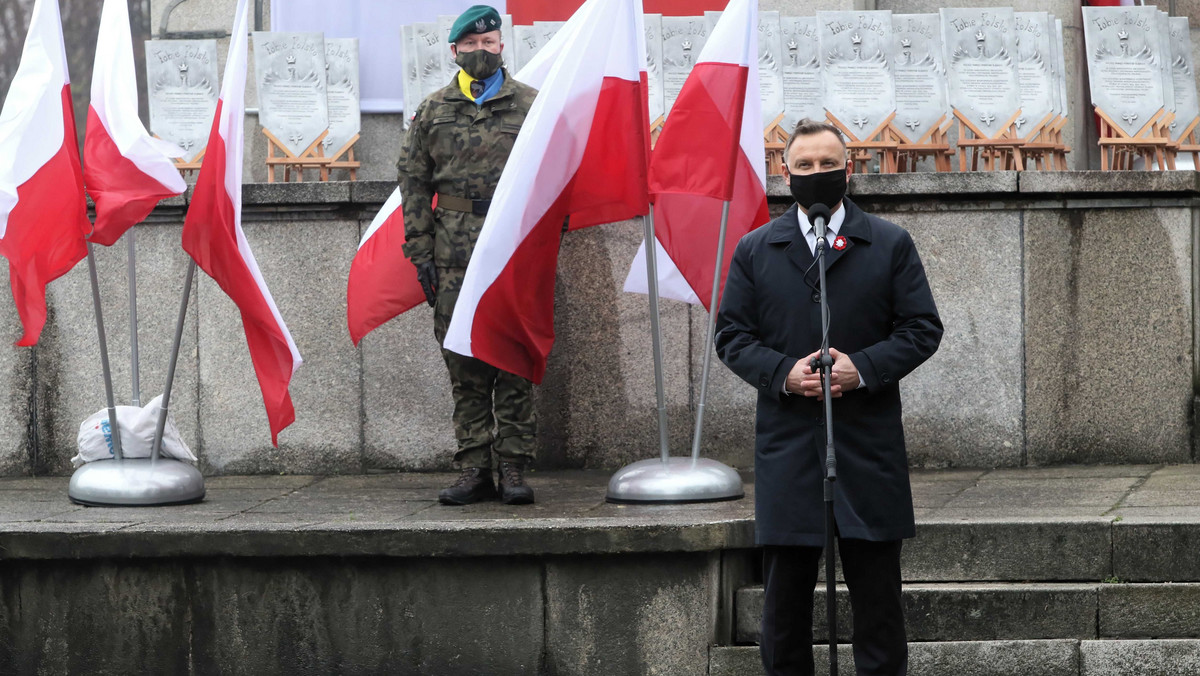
[454, 50]
[787, 174]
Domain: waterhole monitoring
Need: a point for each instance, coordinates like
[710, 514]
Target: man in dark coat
[883, 324]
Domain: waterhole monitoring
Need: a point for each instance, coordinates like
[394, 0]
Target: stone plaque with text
[1123, 53]
[1035, 69]
[922, 102]
[683, 38]
[343, 94]
[525, 45]
[1164, 64]
[290, 71]
[981, 61]
[856, 69]
[431, 51]
[183, 87]
[770, 66]
[802, 88]
[1183, 73]
[654, 65]
[444, 24]
[1064, 106]
[412, 81]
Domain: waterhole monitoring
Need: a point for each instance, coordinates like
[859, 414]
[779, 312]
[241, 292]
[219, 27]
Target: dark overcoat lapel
[883, 315]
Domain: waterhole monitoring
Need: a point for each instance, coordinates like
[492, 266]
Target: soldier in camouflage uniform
[456, 148]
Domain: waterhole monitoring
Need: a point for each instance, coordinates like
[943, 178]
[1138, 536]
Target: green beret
[478, 19]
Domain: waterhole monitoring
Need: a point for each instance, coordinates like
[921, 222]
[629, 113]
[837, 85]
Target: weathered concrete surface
[977, 658]
[1150, 611]
[1094, 279]
[958, 611]
[644, 615]
[1139, 658]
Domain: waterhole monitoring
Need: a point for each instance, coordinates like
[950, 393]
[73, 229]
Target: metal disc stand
[135, 482]
[678, 479]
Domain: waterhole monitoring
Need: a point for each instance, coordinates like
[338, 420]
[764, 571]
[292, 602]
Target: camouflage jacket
[455, 147]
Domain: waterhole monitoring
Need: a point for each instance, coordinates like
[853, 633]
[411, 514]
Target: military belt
[452, 203]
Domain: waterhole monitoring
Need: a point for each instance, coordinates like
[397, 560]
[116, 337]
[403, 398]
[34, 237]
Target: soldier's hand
[427, 276]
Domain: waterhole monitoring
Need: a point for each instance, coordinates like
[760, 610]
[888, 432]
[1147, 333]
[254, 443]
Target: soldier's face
[473, 41]
[814, 153]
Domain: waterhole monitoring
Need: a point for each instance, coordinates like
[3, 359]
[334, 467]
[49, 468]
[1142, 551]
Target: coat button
[885, 378]
[763, 381]
[816, 297]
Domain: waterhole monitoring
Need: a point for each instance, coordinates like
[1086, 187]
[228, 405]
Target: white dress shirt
[836, 219]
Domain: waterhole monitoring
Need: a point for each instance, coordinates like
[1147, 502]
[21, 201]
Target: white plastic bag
[137, 435]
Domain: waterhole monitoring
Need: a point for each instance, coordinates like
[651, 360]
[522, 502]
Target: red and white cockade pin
[839, 243]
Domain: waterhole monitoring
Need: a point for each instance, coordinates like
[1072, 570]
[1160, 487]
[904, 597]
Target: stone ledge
[1110, 182]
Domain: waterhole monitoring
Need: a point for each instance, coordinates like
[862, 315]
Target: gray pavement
[401, 512]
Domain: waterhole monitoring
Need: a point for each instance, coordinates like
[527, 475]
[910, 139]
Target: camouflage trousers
[485, 397]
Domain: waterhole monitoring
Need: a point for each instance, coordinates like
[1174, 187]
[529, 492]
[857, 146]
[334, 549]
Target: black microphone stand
[819, 214]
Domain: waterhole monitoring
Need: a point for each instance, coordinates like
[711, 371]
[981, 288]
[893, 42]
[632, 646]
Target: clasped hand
[802, 380]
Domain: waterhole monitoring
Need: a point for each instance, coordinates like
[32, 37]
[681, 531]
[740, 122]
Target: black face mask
[479, 64]
[825, 187]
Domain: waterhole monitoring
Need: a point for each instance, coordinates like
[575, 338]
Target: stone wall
[1067, 298]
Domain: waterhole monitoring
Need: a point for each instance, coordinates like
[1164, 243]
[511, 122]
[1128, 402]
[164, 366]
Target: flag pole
[656, 332]
[134, 377]
[710, 334]
[166, 400]
[113, 428]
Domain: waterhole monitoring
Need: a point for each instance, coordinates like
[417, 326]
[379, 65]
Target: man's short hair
[810, 127]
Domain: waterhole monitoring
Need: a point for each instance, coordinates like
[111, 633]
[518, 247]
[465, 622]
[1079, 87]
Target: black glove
[427, 276]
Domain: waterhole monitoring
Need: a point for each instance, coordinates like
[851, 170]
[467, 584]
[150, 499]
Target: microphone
[818, 216]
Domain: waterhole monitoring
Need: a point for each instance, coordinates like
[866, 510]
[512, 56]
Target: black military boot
[513, 490]
[473, 485]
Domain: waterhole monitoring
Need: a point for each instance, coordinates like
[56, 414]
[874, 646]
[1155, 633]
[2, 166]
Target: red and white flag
[583, 153]
[383, 282]
[689, 181]
[213, 237]
[43, 211]
[126, 170]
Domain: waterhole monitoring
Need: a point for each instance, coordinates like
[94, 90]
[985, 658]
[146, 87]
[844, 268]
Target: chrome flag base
[675, 480]
[136, 483]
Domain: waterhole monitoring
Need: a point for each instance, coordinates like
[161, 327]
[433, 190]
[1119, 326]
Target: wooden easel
[342, 159]
[881, 140]
[311, 158]
[656, 128]
[1003, 152]
[1118, 149]
[1189, 143]
[775, 140]
[933, 143]
[186, 167]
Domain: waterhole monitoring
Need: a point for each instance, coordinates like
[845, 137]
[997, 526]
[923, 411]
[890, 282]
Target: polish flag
[690, 180]
[383, 283]
[213, 237]
[126, 170]
[43, 211]
[582, 152]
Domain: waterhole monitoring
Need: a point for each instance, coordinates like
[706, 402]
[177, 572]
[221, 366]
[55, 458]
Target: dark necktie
[476, 88]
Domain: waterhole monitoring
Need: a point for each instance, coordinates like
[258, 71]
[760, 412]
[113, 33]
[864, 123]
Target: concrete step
[974, 611]
[1169, 657]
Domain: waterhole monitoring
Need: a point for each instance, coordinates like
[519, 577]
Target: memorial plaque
[431, 53]
[683, 38]
[1123, 51]
[1039, 100]
[444, 24]
[981, 61]
[343, 93]
[922, 102]
[654, 66]
[1164, 62]
[412, 81]
[1183, 73]
[802, 86]
[547, 30]
[292, 102]
[1064, 107]
[525, 45]
[856, 69]
[770, 67]
[183, 87]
